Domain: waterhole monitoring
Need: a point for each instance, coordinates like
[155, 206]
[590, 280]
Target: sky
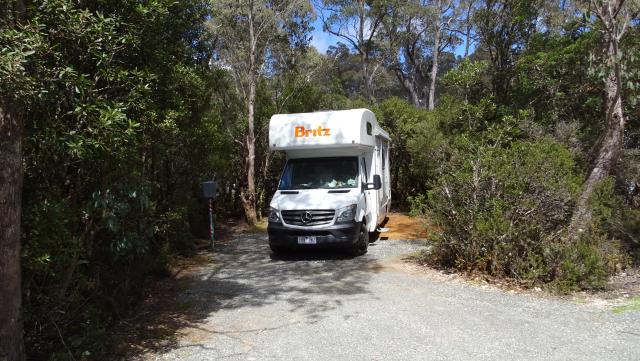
[321, 40]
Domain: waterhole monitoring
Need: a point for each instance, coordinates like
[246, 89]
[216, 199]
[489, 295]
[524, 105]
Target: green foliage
[633, 304]
[505, 222]
[117, 139]
[417, 147]
[598, 253]
[130, 104]
[504, 211]
[514, 159]
[465, 81]
[552, 79]
[177, 231]
[582, 267]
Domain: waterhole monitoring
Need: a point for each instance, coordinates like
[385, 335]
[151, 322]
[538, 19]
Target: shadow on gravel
[242, 274]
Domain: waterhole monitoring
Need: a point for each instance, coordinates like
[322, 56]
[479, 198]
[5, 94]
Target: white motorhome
[335, 187]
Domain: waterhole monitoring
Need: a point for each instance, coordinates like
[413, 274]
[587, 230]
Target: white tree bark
[435, 54]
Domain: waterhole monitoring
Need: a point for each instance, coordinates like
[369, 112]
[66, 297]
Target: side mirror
[377, 183]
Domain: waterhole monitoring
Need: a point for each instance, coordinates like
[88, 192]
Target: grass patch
[632, 305]
[419, 257]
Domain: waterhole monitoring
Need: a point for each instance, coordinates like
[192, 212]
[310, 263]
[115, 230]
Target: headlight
[274, 215]
[346, 214]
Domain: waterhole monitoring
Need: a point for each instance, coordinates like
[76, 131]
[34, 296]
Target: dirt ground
[403, 227]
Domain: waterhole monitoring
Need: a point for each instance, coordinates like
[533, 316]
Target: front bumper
[344, 234]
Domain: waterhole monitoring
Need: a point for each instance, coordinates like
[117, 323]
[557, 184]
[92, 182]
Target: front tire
[362, 245]
[277, 249]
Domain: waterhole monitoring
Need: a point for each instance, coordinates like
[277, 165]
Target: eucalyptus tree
[110, 98]
[246, 33]
[405, 47]
[505, 27]
[443, 15]
[466, 23]
[358, 23]
[415, 35]
[612, 19]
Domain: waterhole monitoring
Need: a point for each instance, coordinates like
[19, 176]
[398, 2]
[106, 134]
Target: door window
[365, 175]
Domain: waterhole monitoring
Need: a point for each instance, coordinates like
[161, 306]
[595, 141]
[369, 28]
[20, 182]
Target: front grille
[318, 217]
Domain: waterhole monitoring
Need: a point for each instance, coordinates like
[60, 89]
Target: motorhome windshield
[324, 173]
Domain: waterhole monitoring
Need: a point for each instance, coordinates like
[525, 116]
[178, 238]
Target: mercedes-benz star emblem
[306, 217]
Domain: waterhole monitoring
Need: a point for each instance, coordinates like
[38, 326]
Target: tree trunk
[612, 141]
[435, 54]
[11, 128]
[249, 193]
[364, 50]
[467, 42]
[11, 135]
[409, 87]
[467, 39]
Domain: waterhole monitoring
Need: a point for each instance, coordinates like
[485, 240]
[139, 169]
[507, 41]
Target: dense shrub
[624, 223]
[115, 143]
[416, 147]
[504, 212]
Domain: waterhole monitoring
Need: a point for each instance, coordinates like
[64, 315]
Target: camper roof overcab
[334, 189]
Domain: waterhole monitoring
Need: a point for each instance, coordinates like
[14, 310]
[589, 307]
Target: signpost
[209, 192]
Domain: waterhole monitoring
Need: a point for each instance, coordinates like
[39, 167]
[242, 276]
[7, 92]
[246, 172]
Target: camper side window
[384, 155]
[369, 129]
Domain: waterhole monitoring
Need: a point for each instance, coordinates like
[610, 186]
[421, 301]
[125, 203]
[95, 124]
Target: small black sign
[209, 189]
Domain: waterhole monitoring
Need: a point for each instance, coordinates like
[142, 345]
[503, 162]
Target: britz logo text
[319, 132]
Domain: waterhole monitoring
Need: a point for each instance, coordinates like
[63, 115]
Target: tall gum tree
[404, 47]
[11, 175]
[358, 23]
[613, 17]
[505, 28]
[466, 22]
[414, 36]
[244, 33]
[442, 14]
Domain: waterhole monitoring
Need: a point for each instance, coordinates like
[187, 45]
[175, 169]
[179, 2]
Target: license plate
[306, 240]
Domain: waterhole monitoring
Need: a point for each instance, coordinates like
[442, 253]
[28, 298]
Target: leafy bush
[504, 211]
[624, 223]
[416, 147]
[115, 143]
[176, 229]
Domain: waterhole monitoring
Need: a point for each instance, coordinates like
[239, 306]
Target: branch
[374, 28]
[627, 20]
[616, 11]
[600, 16]
[340, 35]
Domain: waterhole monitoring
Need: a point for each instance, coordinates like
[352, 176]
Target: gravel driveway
[252, 305]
